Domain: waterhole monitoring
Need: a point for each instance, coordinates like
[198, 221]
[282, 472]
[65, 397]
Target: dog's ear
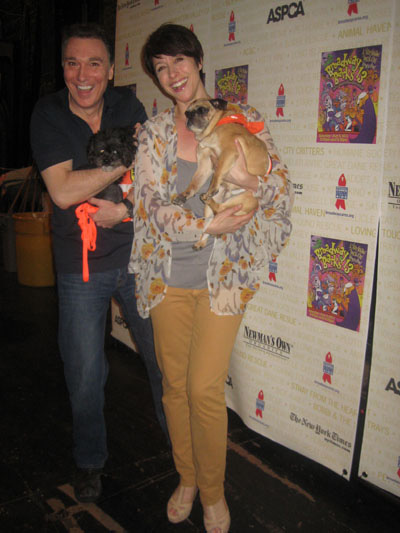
[219, 104]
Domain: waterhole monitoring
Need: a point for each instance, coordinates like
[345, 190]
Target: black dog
[108, 149]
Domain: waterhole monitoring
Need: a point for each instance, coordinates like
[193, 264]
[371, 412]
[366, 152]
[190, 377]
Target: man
[61, 126]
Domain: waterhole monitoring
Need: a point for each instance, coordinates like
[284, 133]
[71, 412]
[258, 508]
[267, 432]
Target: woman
[196, 299]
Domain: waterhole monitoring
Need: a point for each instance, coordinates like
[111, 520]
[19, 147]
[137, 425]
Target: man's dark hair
[171, 40]
[87, 31]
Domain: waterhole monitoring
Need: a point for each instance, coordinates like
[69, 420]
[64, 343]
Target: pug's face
[201, 112]
[111, 148]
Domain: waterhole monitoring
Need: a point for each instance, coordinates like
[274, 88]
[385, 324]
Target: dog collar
[252, 127]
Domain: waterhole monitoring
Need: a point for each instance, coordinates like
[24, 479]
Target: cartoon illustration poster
[336, 281]
[231, 84]
[348, 96]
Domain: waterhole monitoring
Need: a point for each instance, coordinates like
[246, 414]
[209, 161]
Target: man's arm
[68, 187]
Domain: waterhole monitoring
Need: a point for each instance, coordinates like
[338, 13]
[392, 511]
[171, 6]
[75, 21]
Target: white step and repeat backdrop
[325, 76]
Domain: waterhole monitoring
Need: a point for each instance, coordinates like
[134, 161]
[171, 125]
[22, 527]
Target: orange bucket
[34, 253]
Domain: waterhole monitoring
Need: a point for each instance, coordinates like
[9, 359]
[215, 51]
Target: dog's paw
[107, 168]
[179, 200]
[199, 245]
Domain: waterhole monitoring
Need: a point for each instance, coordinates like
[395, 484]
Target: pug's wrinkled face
[198, 115]
[201, 112]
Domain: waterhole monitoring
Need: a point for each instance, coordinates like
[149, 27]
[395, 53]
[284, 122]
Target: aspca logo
[393, 386]
[352, 9]
[327, 369]
[260, 404]
[292, 10]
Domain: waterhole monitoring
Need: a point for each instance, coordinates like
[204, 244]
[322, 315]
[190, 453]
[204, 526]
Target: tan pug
[217, 151]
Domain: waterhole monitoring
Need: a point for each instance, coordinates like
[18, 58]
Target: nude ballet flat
[216, 522]
[177, 509]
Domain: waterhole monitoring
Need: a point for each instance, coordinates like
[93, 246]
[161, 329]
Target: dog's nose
[189, 114]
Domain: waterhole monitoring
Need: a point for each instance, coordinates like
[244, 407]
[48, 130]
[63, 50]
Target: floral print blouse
[237, 259]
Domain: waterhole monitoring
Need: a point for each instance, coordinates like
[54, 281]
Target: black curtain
[36, 66]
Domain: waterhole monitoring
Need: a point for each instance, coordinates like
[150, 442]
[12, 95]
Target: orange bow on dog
[252, 127]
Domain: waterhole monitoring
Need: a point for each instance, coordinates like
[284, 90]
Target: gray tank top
[189, 267]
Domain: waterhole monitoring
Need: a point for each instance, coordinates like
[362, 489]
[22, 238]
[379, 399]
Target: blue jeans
[83, 308]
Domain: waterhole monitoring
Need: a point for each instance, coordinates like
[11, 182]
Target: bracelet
[129, 207]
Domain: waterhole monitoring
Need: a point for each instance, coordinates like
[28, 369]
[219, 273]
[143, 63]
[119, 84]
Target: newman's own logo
[292, 10]
[268, 343]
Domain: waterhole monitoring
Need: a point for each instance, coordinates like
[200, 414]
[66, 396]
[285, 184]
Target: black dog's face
[111, 148]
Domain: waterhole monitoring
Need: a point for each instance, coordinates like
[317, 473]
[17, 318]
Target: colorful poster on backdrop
[231, 84]
[336, 281]
[349, 94]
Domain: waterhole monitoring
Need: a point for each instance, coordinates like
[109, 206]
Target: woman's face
[179, 76]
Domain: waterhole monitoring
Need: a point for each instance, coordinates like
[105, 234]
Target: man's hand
[109, 214]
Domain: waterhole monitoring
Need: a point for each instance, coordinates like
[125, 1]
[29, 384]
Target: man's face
[87, 70]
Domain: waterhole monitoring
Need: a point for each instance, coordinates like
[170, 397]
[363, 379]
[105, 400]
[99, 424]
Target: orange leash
[88, 234]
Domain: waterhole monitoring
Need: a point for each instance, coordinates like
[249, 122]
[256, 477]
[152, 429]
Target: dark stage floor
[268, 488]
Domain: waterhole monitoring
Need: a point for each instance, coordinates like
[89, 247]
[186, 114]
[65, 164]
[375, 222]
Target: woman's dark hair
[87, 31]
[171, 40]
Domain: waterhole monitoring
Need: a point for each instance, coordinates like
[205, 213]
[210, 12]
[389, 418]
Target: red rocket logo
[342, 193]
[273, 269]
[156, 3]
[232, 27]
[280, 101]
[260, 404]
[352, 7]
[126, 55]
[328, 368]
[154, 109]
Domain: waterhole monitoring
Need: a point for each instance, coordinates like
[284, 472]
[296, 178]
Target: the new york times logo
[268, 343]
[394, 194]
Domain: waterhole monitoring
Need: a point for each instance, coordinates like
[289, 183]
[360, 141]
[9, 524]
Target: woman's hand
[239, 175]
[227, 222]
[109, 214]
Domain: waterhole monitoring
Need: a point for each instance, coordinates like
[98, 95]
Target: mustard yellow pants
[193, 347]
